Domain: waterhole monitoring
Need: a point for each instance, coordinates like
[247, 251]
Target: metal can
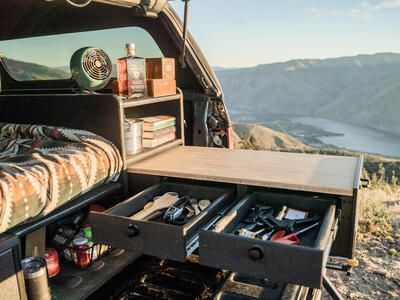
[52, 261]
[133, 136]
[35, 275]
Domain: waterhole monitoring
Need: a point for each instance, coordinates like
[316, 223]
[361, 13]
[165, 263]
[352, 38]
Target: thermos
[35, 275]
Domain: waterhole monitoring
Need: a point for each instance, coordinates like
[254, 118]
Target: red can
[53, 264]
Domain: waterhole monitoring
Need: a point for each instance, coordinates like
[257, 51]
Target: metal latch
[364, 183]
[353, 262]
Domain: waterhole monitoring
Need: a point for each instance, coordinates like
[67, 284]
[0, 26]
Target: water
[351, 137]
[355, 137]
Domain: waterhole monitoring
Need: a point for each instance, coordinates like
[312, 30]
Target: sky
[240, 33]
[56, 50]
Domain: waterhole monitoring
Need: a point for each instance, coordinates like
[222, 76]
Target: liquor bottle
[131, 74]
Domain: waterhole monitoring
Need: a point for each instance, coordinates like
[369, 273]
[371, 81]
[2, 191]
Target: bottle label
[122, 77]
[136, 71]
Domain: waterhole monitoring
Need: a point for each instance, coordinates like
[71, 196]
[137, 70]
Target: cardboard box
[161, 87]
[160, 68]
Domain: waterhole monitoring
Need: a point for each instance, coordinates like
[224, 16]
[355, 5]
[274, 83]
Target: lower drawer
[299, 264]
[115, 227]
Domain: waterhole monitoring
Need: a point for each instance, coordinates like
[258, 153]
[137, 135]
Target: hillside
[363, 89]
[264, 138]
[30, 71]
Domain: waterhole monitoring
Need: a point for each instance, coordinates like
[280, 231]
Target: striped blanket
[42, 167]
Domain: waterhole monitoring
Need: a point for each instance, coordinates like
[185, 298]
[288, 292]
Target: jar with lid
[81, 252]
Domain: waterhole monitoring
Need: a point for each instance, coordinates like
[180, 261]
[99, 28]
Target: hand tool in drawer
[281, 227]
[254, 220]
[250, 234]
[180, 212]
[263, 218]
[281, 213]
[193, 202]
[292, 238]
[159, 204]
[203, 204]
[257, 215]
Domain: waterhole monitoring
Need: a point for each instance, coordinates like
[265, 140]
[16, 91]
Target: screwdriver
[291, 239]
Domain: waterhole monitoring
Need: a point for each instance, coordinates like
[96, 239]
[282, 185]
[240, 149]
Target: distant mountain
[363, 90]
[216, 68]
[30, 71]
[65, 69]
[68, 70]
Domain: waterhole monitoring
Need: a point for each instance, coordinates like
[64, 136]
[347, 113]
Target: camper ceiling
[149, 8]
[154, 5]
[29, 18]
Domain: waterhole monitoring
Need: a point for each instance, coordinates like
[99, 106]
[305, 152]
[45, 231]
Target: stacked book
[158, 130]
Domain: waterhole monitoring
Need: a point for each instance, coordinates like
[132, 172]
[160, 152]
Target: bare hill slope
[363, 89]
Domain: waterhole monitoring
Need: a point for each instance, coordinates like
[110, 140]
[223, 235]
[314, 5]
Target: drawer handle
[256, 252]
[132, 231]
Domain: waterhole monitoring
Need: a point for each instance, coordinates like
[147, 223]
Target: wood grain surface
[301, 172]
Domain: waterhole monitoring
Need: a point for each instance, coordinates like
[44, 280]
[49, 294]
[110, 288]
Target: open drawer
[114, 227]
[298, 264]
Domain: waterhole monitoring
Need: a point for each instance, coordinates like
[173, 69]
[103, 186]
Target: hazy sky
[235, 33]
[56, 50]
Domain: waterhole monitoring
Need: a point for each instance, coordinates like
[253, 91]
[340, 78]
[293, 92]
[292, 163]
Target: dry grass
[378, 273]
[376, 217]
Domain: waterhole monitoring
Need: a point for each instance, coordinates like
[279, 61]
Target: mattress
[43, 167]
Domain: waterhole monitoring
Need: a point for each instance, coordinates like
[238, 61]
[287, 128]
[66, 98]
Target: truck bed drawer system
[322, 185]
[219, 247]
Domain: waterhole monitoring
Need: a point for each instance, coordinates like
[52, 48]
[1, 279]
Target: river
[355, 137]
[349, 136]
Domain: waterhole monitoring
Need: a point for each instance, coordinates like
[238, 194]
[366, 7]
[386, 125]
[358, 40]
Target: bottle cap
[87, 231]
[130, 48]
[79, 241]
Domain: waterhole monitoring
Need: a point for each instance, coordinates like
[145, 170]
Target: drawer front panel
[298, 264]
[276, 262]
[161, 240]
[114, 227]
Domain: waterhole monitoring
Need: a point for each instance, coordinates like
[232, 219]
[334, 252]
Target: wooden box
[161, 87]
[160, 68]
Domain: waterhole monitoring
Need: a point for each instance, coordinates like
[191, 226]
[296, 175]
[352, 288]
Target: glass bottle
[131, 74]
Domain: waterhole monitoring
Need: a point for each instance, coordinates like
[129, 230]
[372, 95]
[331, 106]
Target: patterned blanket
[42, 167]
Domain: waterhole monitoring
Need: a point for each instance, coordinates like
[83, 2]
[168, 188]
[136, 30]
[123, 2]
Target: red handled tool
[291, 239]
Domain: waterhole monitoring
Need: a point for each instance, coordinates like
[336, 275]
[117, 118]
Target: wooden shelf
[147, 152]
[162, 106]
[148, 100]
[92, 280]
